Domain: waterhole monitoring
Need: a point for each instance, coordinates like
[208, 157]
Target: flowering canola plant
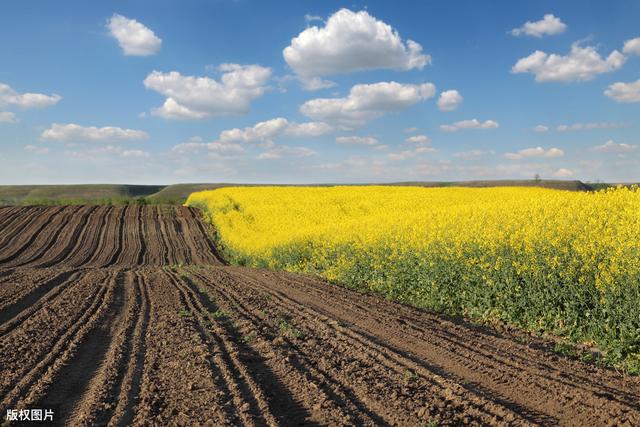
[548, 260]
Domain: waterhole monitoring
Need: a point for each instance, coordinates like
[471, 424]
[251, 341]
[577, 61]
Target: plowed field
[126, 316]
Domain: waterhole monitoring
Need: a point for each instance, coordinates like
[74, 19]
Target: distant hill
[178, 193]
[73, 194]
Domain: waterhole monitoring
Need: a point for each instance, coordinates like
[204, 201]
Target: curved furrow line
[177, 233]
[159, 235]
[107, 242]
[484, 374]
[369, 355]
[33, 226]
[8, 215]
[170, 256]
[13, 315]
[19, 222]
[88, 250]
[180, 250]
[119, 244]
[129, 388]
[248, 397]
[489, 355]
[70, 226]
[69, 383]
[19, 283]
[213, 256]
[179, 378]
[321, 396]
[31, 382]
[110, 378]
[71, 243]
[485, 397]
[43, 239]
[141, 236]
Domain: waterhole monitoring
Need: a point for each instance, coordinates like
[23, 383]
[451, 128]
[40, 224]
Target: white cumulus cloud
[351, 41]
[133, 37]
[624, 92]
[541, 128]
[418, 139]
[366, 102]
[449, 100]
[612, 147]
[267, 130]
[632, 47]
[190, 97]
[75, 133]
[549, 25]
[9, 97]
[535, 152]
[470, 124]
[357, 140]
[581, 64]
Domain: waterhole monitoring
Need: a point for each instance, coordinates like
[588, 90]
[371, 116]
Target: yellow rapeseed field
[567, 262]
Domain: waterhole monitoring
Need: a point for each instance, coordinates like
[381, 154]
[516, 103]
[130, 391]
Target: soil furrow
[247, 398]
[340, 343]
[30, 384]
[13, 315]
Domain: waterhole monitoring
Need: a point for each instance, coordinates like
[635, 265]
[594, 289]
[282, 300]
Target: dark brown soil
[125, 316]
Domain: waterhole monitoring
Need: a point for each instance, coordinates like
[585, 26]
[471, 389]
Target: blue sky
[302, 92]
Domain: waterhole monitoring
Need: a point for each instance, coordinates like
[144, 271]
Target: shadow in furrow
[72, 381]
[281, 403]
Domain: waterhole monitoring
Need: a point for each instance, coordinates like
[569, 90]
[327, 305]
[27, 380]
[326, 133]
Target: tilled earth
[126, 316]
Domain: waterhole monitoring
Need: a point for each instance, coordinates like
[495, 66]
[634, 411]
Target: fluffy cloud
[541, 128]
[612, 147]
[449, 100]
[191, 97]
[535, 152]
[366, 102]
[76, 133]
[352, 41]
[470, 124]
[411, 129]
[632, 47]
[8, 117]
[624, 92]
[286, 151]
[10, 97]
[134, 38]
[268, 130]
[418, 139]
[549, 25]
[357, 140]
[581, 64]
[588, 126]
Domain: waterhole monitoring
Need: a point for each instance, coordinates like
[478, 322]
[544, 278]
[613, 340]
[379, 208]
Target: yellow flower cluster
[578, 234]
